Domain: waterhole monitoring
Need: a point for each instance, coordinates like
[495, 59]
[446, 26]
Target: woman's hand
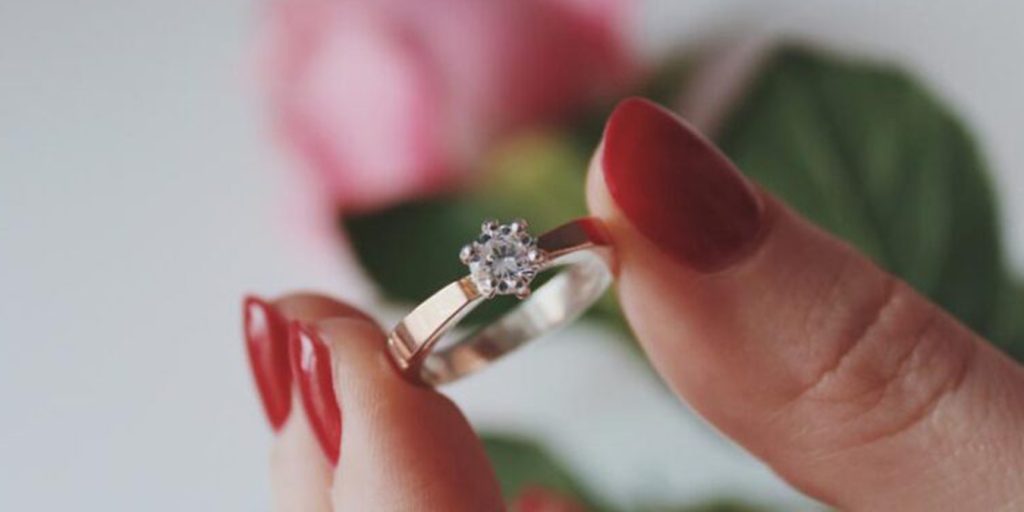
[849, 384]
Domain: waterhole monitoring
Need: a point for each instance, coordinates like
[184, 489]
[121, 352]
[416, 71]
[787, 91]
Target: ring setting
[504, 260]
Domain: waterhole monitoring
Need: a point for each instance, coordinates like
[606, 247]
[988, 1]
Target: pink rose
[389, 99]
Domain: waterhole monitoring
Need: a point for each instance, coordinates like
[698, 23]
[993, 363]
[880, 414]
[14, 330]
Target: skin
[852, 387]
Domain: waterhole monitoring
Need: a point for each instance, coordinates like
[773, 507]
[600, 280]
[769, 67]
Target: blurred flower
[539, 499]
[388, 99]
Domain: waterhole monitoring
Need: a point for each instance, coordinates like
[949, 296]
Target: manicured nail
[311, 363]
[677, 188]
[266, 341]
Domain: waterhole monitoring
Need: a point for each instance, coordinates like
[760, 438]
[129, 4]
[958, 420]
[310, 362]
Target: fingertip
[312, 366]
[364, 374]
[300, 475]
[265, 332]
[678, 189]
[311, 307]
[403, 445]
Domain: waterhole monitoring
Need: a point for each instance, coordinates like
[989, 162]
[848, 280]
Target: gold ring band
[581, 246]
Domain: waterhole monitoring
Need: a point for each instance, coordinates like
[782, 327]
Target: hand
[845, 381]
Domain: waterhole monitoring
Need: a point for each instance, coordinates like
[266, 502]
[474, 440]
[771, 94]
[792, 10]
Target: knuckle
[842, 310]
[895, 358]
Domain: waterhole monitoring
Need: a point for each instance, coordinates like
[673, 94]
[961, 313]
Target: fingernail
[677, 188]
[266, 341]
[311, 363]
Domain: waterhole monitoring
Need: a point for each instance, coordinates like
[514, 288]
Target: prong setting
[518, 226]
[535, 256]
[503, 259]
[467, 254]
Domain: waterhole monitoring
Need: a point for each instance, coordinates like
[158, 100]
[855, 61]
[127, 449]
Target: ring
[503, 260]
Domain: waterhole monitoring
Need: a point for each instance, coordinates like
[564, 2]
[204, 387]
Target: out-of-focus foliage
[722, 505]
[522, 465]
[870, 155]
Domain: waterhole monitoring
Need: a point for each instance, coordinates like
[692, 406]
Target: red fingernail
[266, 341]
[311, 362]
[677, 188]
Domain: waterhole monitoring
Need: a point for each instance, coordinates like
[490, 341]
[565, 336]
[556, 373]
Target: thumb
[843, 379]
[402, 447]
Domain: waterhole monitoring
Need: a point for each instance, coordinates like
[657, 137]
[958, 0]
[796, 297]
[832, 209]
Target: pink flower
[389, 99]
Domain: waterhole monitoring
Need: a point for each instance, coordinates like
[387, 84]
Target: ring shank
[580, 246]
[555, 304]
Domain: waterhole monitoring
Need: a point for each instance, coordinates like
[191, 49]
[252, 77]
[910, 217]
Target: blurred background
[160, 160]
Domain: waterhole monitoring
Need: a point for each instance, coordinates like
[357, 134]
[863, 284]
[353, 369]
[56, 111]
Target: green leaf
[521, 464]
[1009, 325]
[718, 505]
[870, 155]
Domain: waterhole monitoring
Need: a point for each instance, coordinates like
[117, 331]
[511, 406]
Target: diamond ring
[504, 260]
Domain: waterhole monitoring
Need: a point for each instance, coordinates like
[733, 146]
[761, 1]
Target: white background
[140, 197]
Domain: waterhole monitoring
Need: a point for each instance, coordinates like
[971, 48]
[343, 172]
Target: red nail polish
[311, 363]
[266, 341]
[677, 188]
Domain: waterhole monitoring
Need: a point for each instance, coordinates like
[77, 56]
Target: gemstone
[503, 259]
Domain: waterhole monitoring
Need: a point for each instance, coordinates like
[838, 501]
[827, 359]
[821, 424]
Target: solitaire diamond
[503, 260]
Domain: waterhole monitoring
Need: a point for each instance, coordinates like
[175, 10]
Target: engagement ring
[504, 260]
